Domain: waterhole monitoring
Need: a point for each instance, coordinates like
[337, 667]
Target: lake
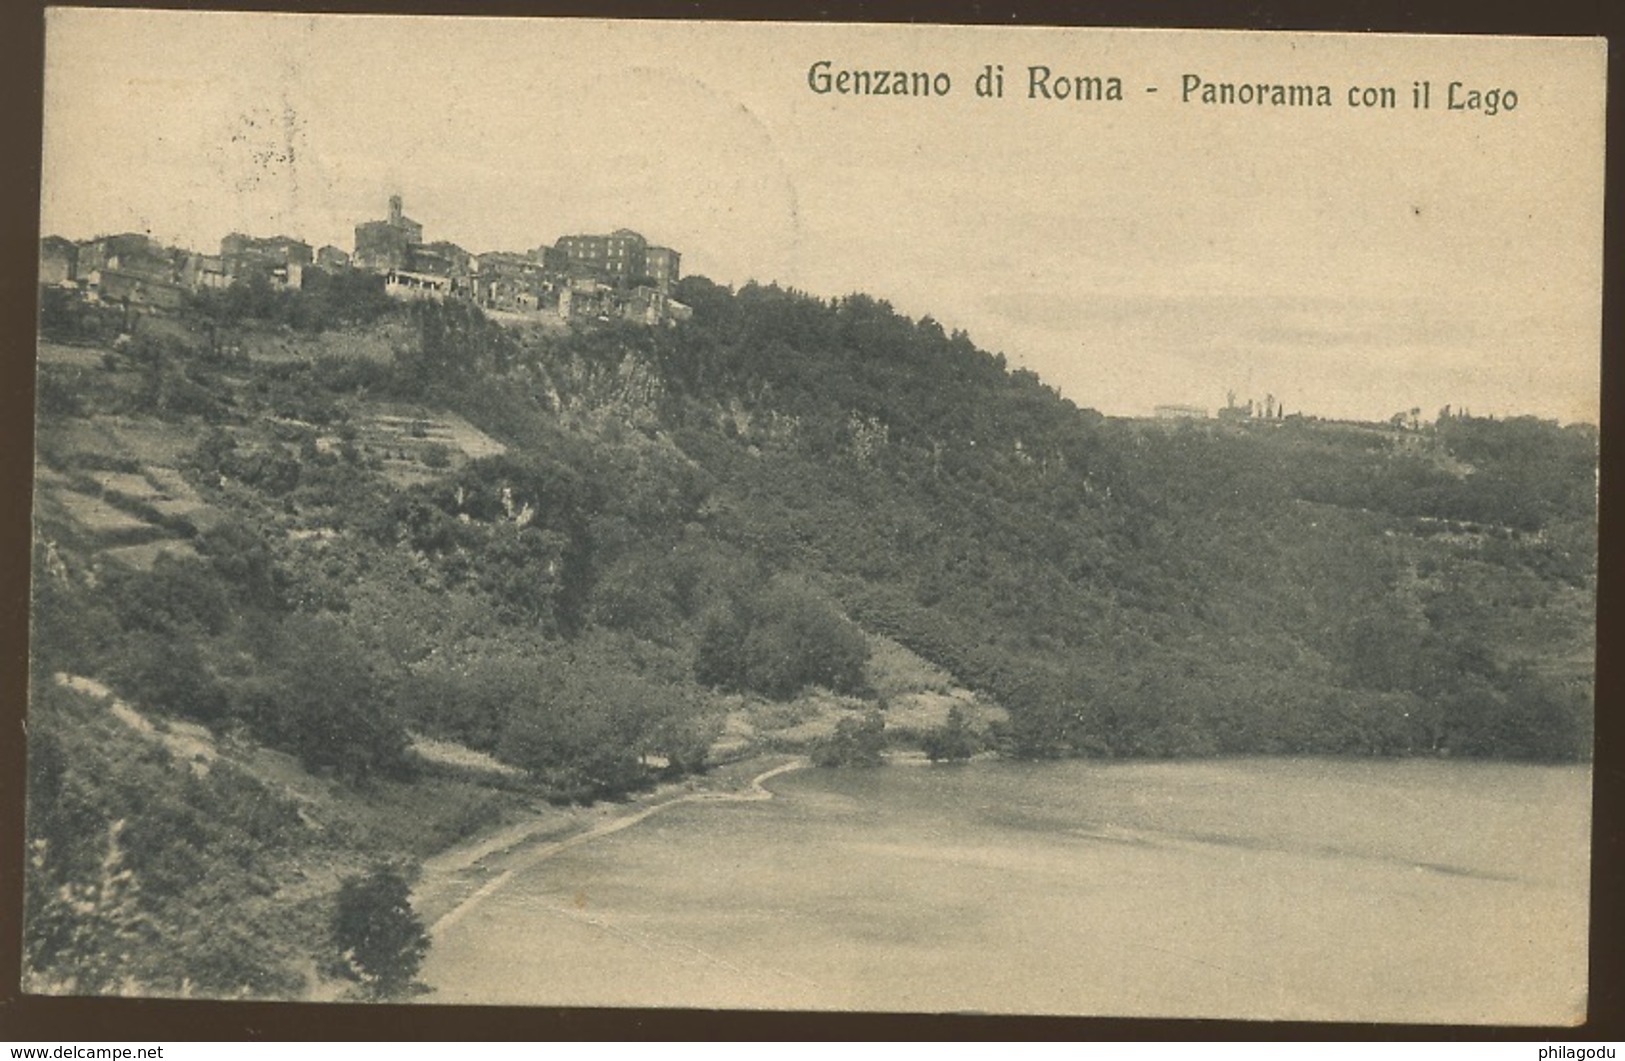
[1312, 889]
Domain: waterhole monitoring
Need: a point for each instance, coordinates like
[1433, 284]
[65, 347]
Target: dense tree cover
[1122, 588]
[170, 379]
[453, 342]
[1127, 588]
[517, 527]
[724, 509]
[65, 316]
[134, 858]
[303, 641]
[183, 640]
[777, 638]
[582, 716]
[326, 299]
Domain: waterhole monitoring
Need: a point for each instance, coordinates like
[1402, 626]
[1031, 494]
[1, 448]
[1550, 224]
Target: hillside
[320, 582]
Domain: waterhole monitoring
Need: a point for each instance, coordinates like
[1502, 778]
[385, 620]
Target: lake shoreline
[453, 880]
[1447, 891]
[450, 877]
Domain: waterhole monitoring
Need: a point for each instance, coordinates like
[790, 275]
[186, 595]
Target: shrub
[240, 557]
[169, 674]
[955, 740]
[855, 742]
[176, 596]
[59, 395]
[377, 933]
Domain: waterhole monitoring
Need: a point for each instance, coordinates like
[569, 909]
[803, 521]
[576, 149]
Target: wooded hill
[332, 526]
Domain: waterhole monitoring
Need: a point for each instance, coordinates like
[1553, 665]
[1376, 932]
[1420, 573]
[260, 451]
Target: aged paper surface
[1225, 234]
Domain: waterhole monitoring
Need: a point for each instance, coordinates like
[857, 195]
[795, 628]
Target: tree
[238, 553]
[777, 640]
[584, 727]
[955, 740]
[380, 937]
[454, 343]
[327, 706]
[855, 742]
[169, 674]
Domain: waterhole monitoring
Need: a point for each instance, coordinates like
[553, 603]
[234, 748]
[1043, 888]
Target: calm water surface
[1280, 888]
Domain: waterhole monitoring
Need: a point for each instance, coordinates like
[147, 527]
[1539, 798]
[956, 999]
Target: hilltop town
[615, 276]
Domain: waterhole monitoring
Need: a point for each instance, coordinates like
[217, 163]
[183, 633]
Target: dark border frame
[133, 1021]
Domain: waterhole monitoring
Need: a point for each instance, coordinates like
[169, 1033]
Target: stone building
[333, 258]
[205, 271]
[280, 259]
[384, 245]
[410, 286]
[136, 289]
[1180, 412]
[663, 265]
[58, 261]
[621, 257]
[131, 252]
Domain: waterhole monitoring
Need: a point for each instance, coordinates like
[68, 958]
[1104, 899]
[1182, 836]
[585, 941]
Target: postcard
[815, 517]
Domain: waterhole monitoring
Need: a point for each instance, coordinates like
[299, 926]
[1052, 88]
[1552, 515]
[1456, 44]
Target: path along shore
[457, 880]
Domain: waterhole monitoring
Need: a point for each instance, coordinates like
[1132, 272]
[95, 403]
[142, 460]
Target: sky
[1351, 261]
